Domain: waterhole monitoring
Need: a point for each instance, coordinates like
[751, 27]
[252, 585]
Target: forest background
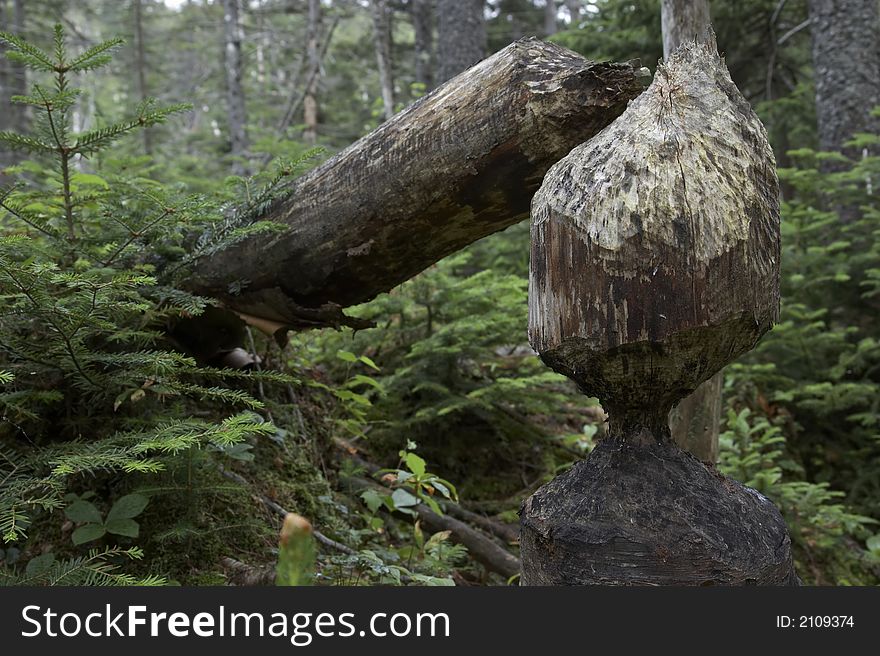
[135, 449]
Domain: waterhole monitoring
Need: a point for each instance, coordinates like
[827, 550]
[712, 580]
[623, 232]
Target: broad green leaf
[415, 463]
[88, 533]
[131, 505]
[82, 512]
[403, 499]
[126, 527]
[372, 499]
[39, 565]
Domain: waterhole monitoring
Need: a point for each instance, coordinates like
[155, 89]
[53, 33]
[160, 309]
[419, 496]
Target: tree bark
[141, 67]
[651, 515]
[382, 44]
[574, 11]
[461, 36]
[846, 59]
[235, 109]
[683, 20]
[457, 165]
[422, 12]
[550, 10]
[13, 82]
[654, 263]
[313, 56]
[695, 422]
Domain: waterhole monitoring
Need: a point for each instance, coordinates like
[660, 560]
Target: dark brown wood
[651, 515]
[459, 164]
[655, 262]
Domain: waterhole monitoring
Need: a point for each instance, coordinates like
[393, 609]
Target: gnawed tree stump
[457, 165]
[655, 262]
[651, 515]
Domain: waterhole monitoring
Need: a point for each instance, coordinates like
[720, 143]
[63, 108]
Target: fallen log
[457, 165]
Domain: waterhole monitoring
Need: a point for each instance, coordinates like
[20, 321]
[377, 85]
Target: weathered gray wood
[696, 420]
[459, 164]
[651, 515]
[655, 262]
[655, 245]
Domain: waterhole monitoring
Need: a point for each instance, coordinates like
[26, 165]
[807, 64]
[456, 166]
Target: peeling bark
[457, 165]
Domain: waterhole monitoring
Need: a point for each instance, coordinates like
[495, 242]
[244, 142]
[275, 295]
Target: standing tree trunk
[846, 59]
[313, 56]
[13, 82]
[141, 67]
[382, 43]
[683, 20]
[235, 111]
[461, 36]
[696, 420]
[574, 11]
[550, 10]
[655, 262]
[422, 13]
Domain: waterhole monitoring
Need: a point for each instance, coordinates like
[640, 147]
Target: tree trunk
[461, 36]
[574, 11]
[141, 67]
[233, 37]
[550, 10]
[683, 20]
[13, 82]
[457, 165]
[846, 58]
[695, 422]
[313, 56]
[382, 43]
[422, 12]
[654, 263]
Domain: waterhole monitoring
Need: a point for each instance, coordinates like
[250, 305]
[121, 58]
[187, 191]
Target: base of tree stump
[651, 515]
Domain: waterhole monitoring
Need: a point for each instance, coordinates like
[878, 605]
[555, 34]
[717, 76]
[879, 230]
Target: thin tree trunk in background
[461, 36]
[550, 10]
[313, 56]
[846, 58]
[382, 43]
[574, 10]
[141, 66]
[13, 81]
[238, 141]
[422, 13]
[683, 20]
[696, 420]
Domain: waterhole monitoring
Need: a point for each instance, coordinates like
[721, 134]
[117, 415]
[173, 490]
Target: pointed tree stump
[655, 262]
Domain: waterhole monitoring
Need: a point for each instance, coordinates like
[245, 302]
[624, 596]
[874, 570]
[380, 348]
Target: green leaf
[415, 463]
[88, 533]
[372, 499]
[367, 361]
[873, 544]
[131, 505]
[403, 499]
[346, 356]
[83, 512]
[126, 527]
[39, 565]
